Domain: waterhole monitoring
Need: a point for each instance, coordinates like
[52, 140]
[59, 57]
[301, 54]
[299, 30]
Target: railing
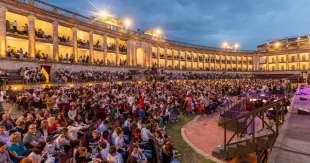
[246, 124]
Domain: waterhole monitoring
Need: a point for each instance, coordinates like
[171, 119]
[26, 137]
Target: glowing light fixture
[236, 46]
[104, 13]
[127, 22]
[277, 44]
[158, 31]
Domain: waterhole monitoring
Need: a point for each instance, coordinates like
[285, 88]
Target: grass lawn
[188, 155]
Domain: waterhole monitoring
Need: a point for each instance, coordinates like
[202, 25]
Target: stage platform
[293, 142]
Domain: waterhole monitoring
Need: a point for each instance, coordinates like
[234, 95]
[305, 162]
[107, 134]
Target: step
[263, 140]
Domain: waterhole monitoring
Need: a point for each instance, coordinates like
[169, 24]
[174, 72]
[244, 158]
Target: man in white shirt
[145, 134]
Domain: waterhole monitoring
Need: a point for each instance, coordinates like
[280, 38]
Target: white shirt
[145, 134]
[104, 153]
[2, 94]
[119, 142]
[72, 114]
[115, 159]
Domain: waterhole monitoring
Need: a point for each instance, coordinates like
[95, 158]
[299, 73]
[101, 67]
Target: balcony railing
[17, 30]
[41, 56]
[112, 47]
[41, 36]
[64, 40]
[83, 44]
[123, 49]
[98, 47]
[154, 55]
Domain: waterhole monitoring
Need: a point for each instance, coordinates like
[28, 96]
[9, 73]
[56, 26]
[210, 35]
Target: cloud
[209, 22]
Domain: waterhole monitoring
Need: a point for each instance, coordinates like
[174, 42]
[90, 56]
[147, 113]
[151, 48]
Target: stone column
[127, 54]
[242, 62]
[221, 63]
[165, 56]
[117, 51]
[247, 63]
[75, 45]
[105, 48]
[267, 57]
[203, 62]
[277, 63]
[149, 55]
[2, 31]
[237, 63]
[192, 59]
[185, 59]
[55, 41]
[32, 36]
[308, 60]
[286, 64]
[179, 54]
[158, 56]
[91, 47]
[131, 52]
[226, 63]
[172, 53]
[298, 61]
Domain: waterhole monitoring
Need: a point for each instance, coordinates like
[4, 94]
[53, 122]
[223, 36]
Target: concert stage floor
[293, 142]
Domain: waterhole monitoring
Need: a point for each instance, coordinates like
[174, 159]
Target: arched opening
[140, 57]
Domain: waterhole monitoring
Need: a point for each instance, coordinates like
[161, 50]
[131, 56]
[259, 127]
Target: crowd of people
[189, 76]
[112, 122]
[16, 53]
[15, 28]
[67, 58]
[64, 39]
[65, 76]
[97, 45]
[40, 55]
[83, 59]
[123, 48]
[83, 43]
[111, 47]
[42, 35]
[31, 74]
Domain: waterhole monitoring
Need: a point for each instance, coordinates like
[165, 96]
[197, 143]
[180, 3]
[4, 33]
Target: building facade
[36, 33]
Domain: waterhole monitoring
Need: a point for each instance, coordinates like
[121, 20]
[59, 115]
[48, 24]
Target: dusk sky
[208, 22]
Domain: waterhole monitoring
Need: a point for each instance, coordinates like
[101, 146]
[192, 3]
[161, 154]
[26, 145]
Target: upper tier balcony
[42, 37]
[83, 44]
[17, 31]
[123, 49]
[63, 40]
[112, 48]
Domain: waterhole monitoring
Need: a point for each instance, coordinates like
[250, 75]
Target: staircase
[247, 138]
[263, 140]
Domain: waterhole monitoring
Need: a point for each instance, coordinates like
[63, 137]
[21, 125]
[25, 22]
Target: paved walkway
[203, 134]
[293, 142]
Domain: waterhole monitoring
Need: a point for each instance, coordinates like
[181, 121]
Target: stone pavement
[293, 142]
[203, 134]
